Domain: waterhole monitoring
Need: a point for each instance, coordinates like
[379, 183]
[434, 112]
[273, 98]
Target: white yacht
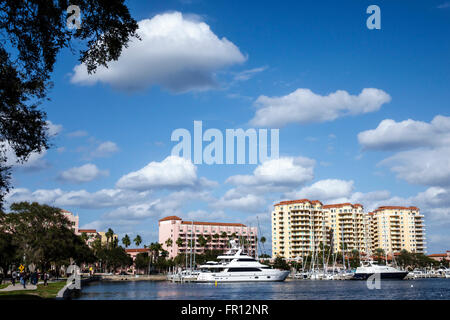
[386, 272]
[235, 266]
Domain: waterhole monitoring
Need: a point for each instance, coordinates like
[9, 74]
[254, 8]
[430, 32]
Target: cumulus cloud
[392, 135]
[105, 149]
[84, 173]
[304, 106]
[104, 198]
[176, 51]
[35, 160]
[284, 171]
[429, 167]
[53, 129]
[325, 190]
[171, 172]
[235, 200]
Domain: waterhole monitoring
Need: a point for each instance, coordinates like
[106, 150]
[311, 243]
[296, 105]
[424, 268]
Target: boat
[236, 266]
[370, 268]
[447, 273]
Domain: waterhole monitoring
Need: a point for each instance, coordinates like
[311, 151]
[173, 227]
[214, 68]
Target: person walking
[22, 279]
[14, 277]
[45, 278]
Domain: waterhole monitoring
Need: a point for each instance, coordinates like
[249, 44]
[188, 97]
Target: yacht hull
[383, 275]
[236, 277]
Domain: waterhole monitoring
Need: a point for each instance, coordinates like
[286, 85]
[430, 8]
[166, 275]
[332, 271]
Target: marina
[420, 289]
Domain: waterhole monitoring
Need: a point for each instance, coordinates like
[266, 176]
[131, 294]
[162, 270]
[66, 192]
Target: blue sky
[224, 63]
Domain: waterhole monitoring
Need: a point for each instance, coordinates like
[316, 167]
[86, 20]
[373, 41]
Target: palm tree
[263, 240]
[168, 242]
[126, 241]
[209, 239]
[137, 240]
[109, 235]
[179, 242]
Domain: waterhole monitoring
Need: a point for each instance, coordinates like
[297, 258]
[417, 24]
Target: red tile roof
[297, 201]
[137, 250]
[215, 224]
[87, 230]
[170, 218]
[438, 255]
[395, 207]
[340, 205]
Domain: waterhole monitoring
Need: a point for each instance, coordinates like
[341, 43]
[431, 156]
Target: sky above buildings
[363, 115]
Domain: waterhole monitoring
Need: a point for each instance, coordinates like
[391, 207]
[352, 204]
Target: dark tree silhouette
[32, 33]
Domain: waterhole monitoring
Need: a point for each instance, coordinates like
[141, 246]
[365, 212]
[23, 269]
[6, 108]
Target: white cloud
[235, 200]
[392, 135]
[104, 198]
[284, 171]
[105, 149]
[77, 134]
[35, 160]
[429, 167]
[325, 190]
[304, 106]
[172, 172]
[84, 173]
[248, 74]
[53, 129]
[177, 52]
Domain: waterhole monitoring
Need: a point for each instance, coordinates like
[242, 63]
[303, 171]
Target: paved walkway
[18, 287]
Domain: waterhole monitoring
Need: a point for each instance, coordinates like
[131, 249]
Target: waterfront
[421, 289]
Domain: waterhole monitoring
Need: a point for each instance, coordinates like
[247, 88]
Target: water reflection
[422, 289]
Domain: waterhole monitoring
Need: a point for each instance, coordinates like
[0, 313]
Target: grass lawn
[4, 285]
[41, 292]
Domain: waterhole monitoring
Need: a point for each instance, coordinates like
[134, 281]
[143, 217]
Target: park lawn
[42, 292]
[4, 285]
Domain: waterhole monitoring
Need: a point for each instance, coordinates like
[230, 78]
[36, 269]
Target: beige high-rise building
[298, 228]
[395, 228]
[346, 225]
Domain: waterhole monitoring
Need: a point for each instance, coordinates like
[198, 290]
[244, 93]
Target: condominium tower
[395, 228]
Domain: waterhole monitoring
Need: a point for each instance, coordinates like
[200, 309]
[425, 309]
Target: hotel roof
[297, 201]
[137, 250]
[223, 224]
[87, 230]
[340, 205]
[395, 208]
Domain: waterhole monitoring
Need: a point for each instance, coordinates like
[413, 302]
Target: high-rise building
[180, 234]
[74, 220]
[298, 228]
[395, 228]
[346, 225]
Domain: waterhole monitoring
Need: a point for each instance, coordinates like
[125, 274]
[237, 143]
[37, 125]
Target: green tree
[42, 235]
[280, 263]
[179, 242]
[137, 240]
[168, 242]
[142, 261]
[33, 33]
[126, 241]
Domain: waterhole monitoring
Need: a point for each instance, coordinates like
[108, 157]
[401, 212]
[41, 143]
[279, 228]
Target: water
[420, 289]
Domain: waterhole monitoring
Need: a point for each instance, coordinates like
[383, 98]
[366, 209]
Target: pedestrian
[22, 279]
[45, 278]
[14, 277]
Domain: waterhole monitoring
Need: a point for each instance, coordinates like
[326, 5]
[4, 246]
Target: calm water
[421, 289]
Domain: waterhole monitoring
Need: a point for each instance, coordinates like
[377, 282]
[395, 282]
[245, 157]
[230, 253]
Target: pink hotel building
[174, 227]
